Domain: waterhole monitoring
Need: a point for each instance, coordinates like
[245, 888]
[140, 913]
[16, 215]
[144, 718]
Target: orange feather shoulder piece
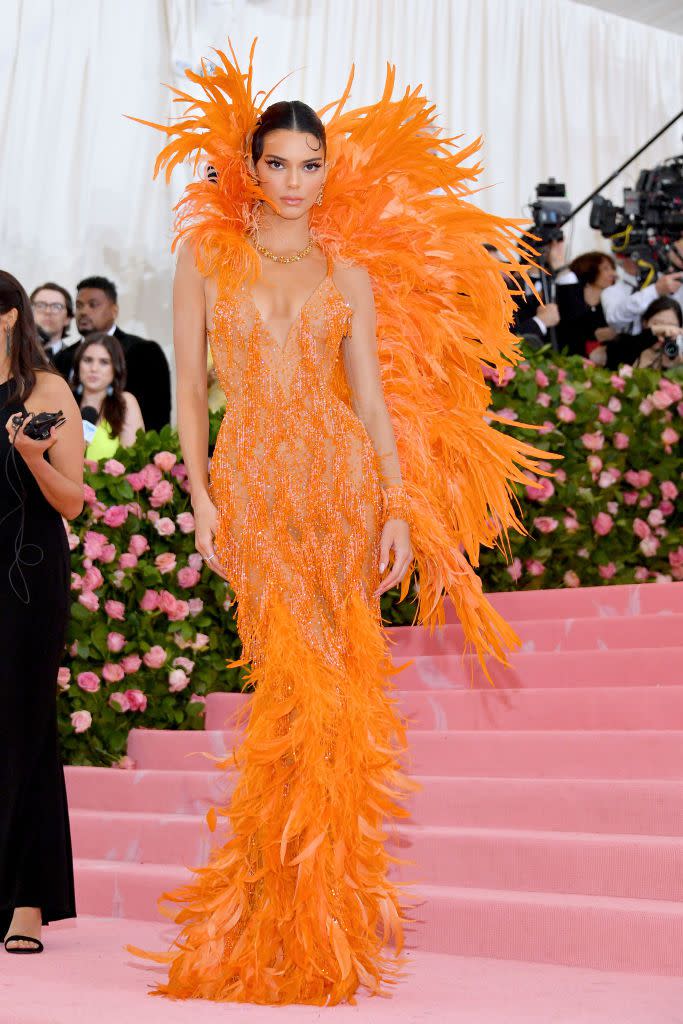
[397, 202]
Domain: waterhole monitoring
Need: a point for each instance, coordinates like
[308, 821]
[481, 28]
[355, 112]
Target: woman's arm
[364, 379]
[60, 479]
[192, 403]
[133, 420]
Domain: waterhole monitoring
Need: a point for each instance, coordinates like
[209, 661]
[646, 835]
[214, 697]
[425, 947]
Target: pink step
[538, 754]
[633, 866]
[604, 932]
[586, 602]
[569, 634]
[634, 707]
[648, 807]
[536, 670]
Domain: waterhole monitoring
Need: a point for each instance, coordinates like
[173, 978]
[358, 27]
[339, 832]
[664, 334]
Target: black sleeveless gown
[36, 868]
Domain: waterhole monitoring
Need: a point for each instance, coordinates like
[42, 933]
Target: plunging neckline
[281, 344]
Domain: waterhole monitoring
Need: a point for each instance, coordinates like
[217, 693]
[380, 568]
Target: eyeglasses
[49, 307]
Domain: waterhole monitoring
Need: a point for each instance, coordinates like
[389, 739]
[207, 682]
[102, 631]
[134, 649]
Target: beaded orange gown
[297, 905]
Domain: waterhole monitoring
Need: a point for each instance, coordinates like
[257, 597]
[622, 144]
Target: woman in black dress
[40, 481]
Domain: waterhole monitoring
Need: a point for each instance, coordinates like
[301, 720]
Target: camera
[673, 347]
[550, 210]
[650, 219]
[38, 427]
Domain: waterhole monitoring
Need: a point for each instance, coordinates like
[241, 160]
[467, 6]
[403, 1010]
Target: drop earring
[110, 391]
[79, 389]
[319, 200]
[8, 341]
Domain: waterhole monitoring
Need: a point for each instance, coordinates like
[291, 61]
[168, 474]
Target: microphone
[89, 417]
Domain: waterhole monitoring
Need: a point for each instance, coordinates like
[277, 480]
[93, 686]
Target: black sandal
[27, 938]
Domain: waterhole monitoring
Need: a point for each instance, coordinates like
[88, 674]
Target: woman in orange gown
[323, 305]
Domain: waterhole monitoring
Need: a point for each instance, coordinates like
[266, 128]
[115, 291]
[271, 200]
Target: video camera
[550, 211]
[650, 220]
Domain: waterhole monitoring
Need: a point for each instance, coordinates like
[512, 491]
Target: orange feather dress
[297, 905]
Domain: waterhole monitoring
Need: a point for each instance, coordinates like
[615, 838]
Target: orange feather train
[297, 905]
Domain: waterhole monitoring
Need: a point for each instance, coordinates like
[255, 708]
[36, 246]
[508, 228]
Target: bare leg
[25, 921]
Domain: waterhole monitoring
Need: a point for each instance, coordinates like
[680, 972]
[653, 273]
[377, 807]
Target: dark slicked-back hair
[288, 115]
[103, 283]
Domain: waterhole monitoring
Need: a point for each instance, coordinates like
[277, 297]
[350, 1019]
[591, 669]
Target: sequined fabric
[296, 906]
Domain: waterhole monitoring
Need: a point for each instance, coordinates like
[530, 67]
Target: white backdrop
[555, 87]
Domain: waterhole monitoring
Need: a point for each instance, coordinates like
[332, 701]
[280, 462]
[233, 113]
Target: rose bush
[610, 512]
[151, 627]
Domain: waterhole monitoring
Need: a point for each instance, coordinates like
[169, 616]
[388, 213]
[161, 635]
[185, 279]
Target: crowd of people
[595, 307]
[122, 382]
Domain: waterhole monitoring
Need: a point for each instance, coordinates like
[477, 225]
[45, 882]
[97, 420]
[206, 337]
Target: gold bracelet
[397, 503]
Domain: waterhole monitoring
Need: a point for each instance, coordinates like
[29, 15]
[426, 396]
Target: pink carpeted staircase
[550, 823]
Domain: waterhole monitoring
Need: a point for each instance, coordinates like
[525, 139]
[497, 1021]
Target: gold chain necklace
[283, 259]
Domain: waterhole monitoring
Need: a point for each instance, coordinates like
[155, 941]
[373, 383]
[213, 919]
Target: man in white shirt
[624, 302]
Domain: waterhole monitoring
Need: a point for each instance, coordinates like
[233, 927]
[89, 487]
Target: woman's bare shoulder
[353, 281]
[50, 385]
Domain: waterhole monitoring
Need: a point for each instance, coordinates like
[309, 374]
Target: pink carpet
[548, 831]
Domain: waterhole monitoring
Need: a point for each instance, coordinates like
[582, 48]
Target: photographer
[660, 342]
[624, 303]
[534, 319]
[42, 481]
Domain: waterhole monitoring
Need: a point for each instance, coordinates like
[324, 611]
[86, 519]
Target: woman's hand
[603, 334]
[205, 529]
[29, 449]
[395, 537]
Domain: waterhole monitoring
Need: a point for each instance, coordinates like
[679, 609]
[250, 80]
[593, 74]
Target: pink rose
[138, 545]
[151, 475]
[567, 394]
[195, 561]
[154, 657]
[594, 463]
[618, 383]
[605, 415]
[646, 501]
[607, 571]
[64, 678]
[125, 762]
[508, 414]
[541, 379]
[605, 479]
[655, 517]
[546, 427]
[641, 574]
[534, 567]
[571, 524]
[196, 606]
[541, 490]
[185, 522]
[89, 600]
[200, 642]
[641, 528]
[165, 461]
[602, 524]
[646, 407]
[661, 399]
[93, 578]
[167, 602]
[149, 601]
[162, 493]
[676, 562]
[671, 388]
[118, 701]
[613, 507]
[184, 663]
[108, 553]
[669, 436]
[649, 546]
[669, 490]
[620, 441]
[115, 516]
[88, 682]
[543, 399]
[179, 471]
[545, 524]
[514, 570]
[561, 376]
[177, 680]
[115, 610]
[565, 414]
[571, 579]
[81, 720]
[196, 698]
[113, 467]
[116, 642]
[93, 543]
[166, 562]
[131, 664]
[89, 494]
[136, 481]
[112, 673]
[614, 405]
[180, 612]
[137, 700]
[666, 507]
[188, 577]
[594, 442]
[127, 560]
[630, 497]
[164, 527]
[73, 541]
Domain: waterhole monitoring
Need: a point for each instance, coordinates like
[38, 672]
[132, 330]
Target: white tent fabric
[556, 88]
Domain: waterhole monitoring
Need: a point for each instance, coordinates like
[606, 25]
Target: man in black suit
[148, 375]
